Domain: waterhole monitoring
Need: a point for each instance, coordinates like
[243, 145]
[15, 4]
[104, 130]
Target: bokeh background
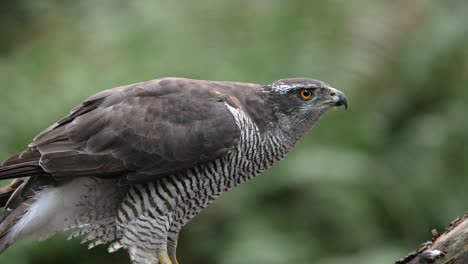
[366, 186]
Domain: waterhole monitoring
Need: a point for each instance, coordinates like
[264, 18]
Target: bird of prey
[130, 166]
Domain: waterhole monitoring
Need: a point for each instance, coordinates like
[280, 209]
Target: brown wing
[141, 131]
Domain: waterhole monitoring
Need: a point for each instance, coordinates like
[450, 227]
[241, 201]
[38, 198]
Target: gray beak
[342, 100]
[339, 98]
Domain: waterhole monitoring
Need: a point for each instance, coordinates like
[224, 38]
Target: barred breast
[152, 214]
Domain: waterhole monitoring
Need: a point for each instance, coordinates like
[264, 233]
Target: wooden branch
[449, 248]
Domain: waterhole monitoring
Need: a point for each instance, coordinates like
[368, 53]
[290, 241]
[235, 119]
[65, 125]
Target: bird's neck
[289, 132]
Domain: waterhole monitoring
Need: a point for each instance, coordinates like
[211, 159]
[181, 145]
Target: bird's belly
[217, 180]
[161, 208]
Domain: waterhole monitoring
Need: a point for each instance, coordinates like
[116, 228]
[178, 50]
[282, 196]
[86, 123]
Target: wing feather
[145, 130]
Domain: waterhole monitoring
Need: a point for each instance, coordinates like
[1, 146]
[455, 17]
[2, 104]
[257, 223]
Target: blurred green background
[366, 186]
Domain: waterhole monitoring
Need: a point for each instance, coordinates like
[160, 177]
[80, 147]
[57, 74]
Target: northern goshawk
[130, 166]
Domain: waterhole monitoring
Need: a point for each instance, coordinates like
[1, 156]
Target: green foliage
[366, 186]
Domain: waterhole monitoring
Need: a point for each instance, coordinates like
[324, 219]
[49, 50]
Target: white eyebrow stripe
[283, 88]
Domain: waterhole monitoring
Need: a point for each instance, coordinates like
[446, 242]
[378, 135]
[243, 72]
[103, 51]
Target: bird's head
[300, 102]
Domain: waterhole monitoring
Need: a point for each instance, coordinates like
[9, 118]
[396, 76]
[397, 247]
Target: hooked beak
[338, 98]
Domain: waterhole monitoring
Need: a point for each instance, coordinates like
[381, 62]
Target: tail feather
[17, 197]
[9, 219]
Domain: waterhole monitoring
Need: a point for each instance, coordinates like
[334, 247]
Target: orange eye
[306, 94]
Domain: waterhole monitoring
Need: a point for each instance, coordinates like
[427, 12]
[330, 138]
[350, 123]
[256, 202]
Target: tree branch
[449, 248]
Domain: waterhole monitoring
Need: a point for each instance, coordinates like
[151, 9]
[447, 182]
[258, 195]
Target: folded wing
[137, 132]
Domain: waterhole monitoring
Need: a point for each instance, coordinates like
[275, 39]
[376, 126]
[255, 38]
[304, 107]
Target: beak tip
[342, 100]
